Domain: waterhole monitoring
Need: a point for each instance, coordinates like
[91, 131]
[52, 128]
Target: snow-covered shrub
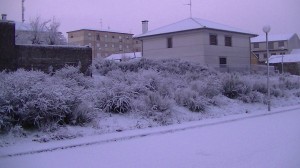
[155, 102]
[74, 76]
[33, 99]
[253, 97]
[114, 101]
[190, 99]
[289, 83]
[209, 87]
[260, 87]
[233, 87]
[102, 66]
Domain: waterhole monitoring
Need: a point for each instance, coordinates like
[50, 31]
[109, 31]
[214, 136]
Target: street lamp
[267, 29]
[282, 48]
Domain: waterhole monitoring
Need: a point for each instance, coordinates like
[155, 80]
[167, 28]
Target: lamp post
[267, 29]
[282, 48]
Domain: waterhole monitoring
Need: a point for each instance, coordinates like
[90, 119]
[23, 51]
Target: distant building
[200, 41]
[288, 63]
[279, 44]
[104, 43]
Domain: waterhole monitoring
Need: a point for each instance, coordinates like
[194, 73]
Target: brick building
[104, 43]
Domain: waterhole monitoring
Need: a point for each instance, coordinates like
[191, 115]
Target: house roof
[102, 30]
[121, 56]
[272, 37]
[288, 58]
[192, 24]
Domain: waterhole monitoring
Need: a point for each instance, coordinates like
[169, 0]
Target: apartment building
[104, 43]
[279, 44]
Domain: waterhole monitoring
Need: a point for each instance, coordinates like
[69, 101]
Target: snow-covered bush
[190, 99]
[209, 87]
[253, 97]
[289, 83]
[34, 99]
[114, 101]
[233, 87]
[155, 102]
[73, 76]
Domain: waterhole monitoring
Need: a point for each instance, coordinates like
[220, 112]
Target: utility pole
[23, 11]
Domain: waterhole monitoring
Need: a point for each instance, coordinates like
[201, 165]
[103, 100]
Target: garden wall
[39, 57]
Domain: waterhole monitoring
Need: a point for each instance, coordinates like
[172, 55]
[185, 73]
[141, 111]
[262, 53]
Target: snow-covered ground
[259, 139]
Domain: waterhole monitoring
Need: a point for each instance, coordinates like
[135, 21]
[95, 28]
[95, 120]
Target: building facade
[278, 45]
[200, 41]
[104, 43]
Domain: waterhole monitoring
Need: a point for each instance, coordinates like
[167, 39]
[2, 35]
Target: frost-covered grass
[148, 92]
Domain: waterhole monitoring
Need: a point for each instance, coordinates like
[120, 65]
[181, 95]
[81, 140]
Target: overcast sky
[126, 15]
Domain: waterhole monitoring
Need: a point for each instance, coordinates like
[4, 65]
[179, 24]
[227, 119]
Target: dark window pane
[213, 39]
[228, 41]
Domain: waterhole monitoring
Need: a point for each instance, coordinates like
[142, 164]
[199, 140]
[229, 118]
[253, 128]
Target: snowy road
[271, 141]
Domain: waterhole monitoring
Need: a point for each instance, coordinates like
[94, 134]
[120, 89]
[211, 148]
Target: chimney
[4, 17]
[145, 26]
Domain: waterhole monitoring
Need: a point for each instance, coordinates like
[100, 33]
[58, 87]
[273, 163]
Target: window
[223, 62]
[265, 55]
[257, 55]
[136, 42]
[271, 45]
[112, 36]
[281, 44]
[255, 45]
[228, 41]
[213, 39]
[273, 53]
[170, 42]
[98, 37]
[282, 53]
[71, 36]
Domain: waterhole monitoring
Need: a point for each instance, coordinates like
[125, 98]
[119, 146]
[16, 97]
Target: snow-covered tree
[37, 29]
[53, 35]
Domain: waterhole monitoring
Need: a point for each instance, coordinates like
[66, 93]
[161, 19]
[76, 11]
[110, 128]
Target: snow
[259, 139]
[192, 24]
[119, 57]
[288, 58]
[272, 37]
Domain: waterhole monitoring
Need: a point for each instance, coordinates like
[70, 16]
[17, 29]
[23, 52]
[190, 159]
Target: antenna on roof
[23, 11]
[190, 4]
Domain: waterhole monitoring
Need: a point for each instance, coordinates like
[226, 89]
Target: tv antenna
[23, 11]
[190, 4]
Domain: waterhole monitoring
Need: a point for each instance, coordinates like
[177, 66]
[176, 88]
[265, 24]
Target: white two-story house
[197, 40]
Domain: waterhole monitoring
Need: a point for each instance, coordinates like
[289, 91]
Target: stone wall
[39, 57]
[7, 46]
